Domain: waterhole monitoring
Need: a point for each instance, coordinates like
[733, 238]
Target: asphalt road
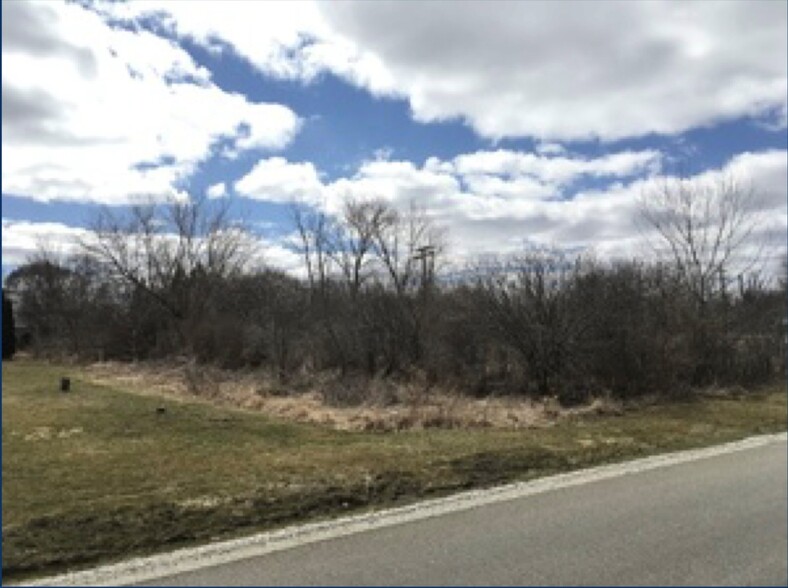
[721, 520]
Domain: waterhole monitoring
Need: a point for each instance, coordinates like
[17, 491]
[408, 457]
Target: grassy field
[100, 474]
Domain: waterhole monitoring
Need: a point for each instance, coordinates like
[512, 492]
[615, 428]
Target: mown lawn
[100, 474]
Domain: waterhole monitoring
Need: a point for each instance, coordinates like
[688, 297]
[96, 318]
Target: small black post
[65, 384]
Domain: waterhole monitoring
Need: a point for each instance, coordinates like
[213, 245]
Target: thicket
[376, 302]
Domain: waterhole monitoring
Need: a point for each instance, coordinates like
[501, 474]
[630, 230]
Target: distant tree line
[376, 301]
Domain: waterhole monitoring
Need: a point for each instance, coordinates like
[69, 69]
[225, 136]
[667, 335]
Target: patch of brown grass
[383, 405]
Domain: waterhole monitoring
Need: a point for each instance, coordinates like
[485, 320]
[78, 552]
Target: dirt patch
[494, 467]
[38, 545]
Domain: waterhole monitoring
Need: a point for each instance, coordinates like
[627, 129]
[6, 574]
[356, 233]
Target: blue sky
[509, 122]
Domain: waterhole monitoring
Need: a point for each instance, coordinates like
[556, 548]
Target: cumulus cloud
[103, 114]
[607, 220]
[270, 35]
[278, 180]
[483, 183]
[497, 201]
[397, 182]
[552, 70]
[557, 170]
[766, 170]
[23, 239]
[217, 190]
[565, 70]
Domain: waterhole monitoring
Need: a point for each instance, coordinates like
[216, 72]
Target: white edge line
[194, 558]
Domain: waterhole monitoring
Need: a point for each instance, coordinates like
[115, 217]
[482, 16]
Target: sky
[512, 124]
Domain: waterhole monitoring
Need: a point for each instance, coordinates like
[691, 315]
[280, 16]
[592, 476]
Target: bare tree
[318, 235]
[314, 228]
[354, 239]
[704, 227]
[173, 253]
[406, 243]
[707, 228]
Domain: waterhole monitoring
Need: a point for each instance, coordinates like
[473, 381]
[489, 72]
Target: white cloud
[517, 188]
[397, 182]
[568, 70]
[281, 255]
[551, 70]
[766, 171]
[497, 201]
[557, 170]
[217, 190]
[482, 184]
[606, 219]
[267, 34]
[23, 239]
[102, 114]
[284, 39]
[278, 180]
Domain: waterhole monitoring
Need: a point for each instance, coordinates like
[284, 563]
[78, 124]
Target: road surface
[720, 520]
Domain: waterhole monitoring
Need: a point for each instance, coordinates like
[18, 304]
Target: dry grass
[384, 407]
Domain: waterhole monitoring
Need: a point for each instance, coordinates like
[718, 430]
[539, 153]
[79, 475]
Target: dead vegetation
[347, 404]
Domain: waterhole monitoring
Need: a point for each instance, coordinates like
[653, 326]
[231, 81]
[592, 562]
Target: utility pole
[426, 254]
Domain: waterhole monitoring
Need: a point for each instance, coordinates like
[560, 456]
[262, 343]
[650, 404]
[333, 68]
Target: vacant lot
[101, 473]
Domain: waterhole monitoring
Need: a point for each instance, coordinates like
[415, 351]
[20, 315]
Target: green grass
[98, 474]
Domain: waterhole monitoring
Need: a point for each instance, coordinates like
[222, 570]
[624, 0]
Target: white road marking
[190, 559]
